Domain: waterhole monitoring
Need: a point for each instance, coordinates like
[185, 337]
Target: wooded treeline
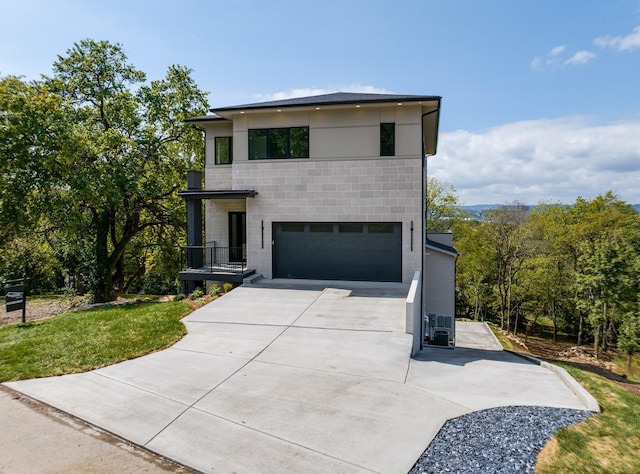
[90, 161]
[577, 265]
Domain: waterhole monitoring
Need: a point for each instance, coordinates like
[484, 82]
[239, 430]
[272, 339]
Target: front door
[237, 237]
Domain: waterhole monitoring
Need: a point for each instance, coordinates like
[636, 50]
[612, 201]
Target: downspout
[424, 217]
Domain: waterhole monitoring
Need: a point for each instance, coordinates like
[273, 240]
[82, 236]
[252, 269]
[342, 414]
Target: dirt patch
[548, 454]
[41, 307]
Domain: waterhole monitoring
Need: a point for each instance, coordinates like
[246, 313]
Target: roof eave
[225, 111]
[205, 118]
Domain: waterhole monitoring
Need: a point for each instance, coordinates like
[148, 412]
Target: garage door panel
[338, 251]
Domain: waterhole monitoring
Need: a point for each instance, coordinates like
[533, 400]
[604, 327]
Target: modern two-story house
[326, 187]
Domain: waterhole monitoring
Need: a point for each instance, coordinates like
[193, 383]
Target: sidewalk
[37, 438]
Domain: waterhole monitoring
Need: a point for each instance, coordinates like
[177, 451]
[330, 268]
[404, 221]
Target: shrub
[196, 294]
[227, 287]
[157, 285]
[214, 290]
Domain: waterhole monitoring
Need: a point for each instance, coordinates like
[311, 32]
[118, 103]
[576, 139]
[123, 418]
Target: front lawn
[78, 341]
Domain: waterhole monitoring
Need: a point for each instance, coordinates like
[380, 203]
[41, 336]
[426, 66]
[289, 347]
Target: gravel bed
[497, 440]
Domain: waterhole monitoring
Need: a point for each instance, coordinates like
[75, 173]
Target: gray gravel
[498, 440]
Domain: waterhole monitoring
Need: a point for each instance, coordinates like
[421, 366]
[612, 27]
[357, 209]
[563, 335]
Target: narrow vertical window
[299, 142]
[387, 139]
[224, 150]
[258, 143]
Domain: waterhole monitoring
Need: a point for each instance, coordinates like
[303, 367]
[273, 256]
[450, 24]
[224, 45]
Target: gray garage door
[338, 251]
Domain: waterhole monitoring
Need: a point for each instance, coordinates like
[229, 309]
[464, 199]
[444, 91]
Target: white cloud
[305, 92]
[549, 61]
[552, 160]
[553, 59]
[620, 43]
[581, 57]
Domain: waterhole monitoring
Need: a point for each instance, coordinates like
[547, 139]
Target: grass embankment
[608, 442]
[83, 340]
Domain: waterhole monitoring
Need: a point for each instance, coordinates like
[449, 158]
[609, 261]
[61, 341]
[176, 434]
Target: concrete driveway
[285, 376]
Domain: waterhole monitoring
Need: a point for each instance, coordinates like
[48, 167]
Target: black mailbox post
[16, 297]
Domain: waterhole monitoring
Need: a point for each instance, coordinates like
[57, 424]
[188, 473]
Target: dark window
[278, 143]
[387, 139]
[258, 144]
[350, 228]
[299, 140]
[381, 228]
[293, 227]
[320, 227]
[224, 150]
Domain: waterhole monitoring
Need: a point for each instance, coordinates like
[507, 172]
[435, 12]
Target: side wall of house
[440, 281]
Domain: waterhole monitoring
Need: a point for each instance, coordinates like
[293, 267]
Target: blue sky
[541, 100]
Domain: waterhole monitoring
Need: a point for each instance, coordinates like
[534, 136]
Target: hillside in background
[477, 210]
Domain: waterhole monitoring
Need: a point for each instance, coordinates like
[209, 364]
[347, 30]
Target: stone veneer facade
[367, 190]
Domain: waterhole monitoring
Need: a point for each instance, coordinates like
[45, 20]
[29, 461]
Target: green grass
[502, 339]
[634, 370]
[83, 340]
[608, 442]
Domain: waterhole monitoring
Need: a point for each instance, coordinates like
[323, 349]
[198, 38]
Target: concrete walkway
[283, 376]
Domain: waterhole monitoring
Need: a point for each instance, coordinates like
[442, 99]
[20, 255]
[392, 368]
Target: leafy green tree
[596, 241]
[33, 131]
[474, 271]
[126, 150]
[549, 272]
[511, 248]
[443, 208]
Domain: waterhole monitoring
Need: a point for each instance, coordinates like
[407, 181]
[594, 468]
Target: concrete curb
[589, 401]
[495, 338]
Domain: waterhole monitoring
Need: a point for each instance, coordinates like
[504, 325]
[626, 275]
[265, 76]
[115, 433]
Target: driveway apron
[289, 376]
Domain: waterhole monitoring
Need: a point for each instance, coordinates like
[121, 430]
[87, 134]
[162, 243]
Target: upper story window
[277, 143]
[224, 150]
[387, 139]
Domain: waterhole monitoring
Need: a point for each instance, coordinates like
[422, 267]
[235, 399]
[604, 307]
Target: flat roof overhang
[218, 194]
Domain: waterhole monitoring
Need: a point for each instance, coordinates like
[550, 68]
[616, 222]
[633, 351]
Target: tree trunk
[509, 301]
[596, 342]
[102, 285]
[530, 324]
[555, 323]
[580, 333]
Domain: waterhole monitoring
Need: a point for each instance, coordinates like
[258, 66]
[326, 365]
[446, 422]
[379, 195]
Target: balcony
[213, 263]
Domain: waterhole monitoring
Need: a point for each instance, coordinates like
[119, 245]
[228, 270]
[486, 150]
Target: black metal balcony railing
[214, 259]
